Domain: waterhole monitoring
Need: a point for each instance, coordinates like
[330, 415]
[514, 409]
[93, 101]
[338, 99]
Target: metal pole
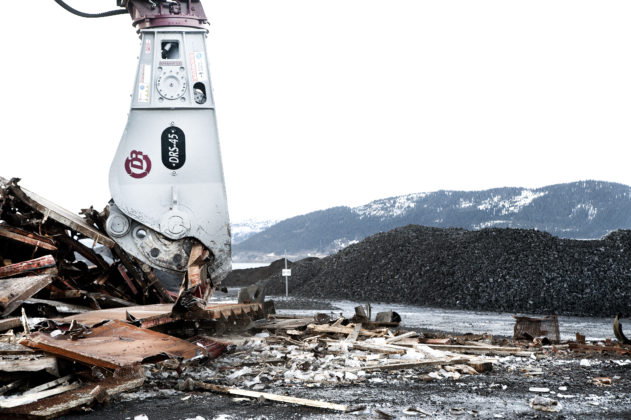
[286, 278]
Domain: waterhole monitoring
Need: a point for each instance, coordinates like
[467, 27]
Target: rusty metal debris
[113, 345]
[527, 328]
[617, 330]
[104, 311]
[39, 237]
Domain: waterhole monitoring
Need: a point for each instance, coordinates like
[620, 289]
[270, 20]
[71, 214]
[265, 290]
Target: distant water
[241, 266]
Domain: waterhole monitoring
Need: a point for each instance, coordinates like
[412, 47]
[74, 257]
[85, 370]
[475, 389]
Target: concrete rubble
[83, 324]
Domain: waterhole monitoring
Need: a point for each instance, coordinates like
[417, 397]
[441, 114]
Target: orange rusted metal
[592, 348]
[159, 314]
[46, 261]
[26, 237]
[114, 345]
[529, 328]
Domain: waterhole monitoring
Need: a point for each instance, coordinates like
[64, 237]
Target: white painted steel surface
[167, 173]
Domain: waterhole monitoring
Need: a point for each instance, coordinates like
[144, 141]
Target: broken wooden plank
[128, 280]
[271, 397]
[376, 348]
[46, 261]
[30, 364]
[154, 282]
[14, 348]
[61, 308]
[67, 294]
[401, 337]
[80, 397]
[598, 349]
[338, 322]
[27, 399]
[8, 387]
[24, 319]
[49, 385]
[491, 350]
[107, 301]
[9, 323]
[340, 330]
[481, 366]
[59, 214]
[26, 237]
[83, 250]
[409, 365]
[352, 337]
[98, 300]
[14, 290]
[281, 324]
[461, 368]
[133, 272]
[435, 340]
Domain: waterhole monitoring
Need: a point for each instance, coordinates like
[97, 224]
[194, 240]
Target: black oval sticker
[173, 148]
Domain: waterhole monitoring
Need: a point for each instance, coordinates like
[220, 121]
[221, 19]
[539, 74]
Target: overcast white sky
[324, 103]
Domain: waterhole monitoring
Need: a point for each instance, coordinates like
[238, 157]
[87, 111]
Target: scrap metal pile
[69, 294]
[74, 260]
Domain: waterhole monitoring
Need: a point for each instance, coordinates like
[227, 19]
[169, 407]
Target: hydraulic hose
[90, 15]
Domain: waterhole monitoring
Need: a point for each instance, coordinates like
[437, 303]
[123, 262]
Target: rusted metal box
[527, 328]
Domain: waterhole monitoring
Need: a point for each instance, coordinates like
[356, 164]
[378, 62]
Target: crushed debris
[58, 269]
[83, 323]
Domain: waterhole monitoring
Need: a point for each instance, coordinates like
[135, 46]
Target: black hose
[90, 15]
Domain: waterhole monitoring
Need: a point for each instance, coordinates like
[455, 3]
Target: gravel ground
[502, 393]
[505, 392]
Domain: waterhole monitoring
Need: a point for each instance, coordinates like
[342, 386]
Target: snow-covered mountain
[582, 210]
[243, 230]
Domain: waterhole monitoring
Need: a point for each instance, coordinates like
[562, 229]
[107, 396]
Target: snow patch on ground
[585, 207]
[513, 204]
[243, 230]
[389, 207]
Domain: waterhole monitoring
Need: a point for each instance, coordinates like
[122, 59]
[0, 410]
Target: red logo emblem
[137, 165]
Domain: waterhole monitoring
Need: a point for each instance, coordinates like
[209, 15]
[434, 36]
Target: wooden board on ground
[346, 330]
[281, 324]
[409, 364]
[271, 397]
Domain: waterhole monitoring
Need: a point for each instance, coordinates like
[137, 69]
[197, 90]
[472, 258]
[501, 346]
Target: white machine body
[167, 179]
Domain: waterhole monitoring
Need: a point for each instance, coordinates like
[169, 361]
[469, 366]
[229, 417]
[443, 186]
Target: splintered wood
[13, 291]
[83, 265]
[272, 397]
